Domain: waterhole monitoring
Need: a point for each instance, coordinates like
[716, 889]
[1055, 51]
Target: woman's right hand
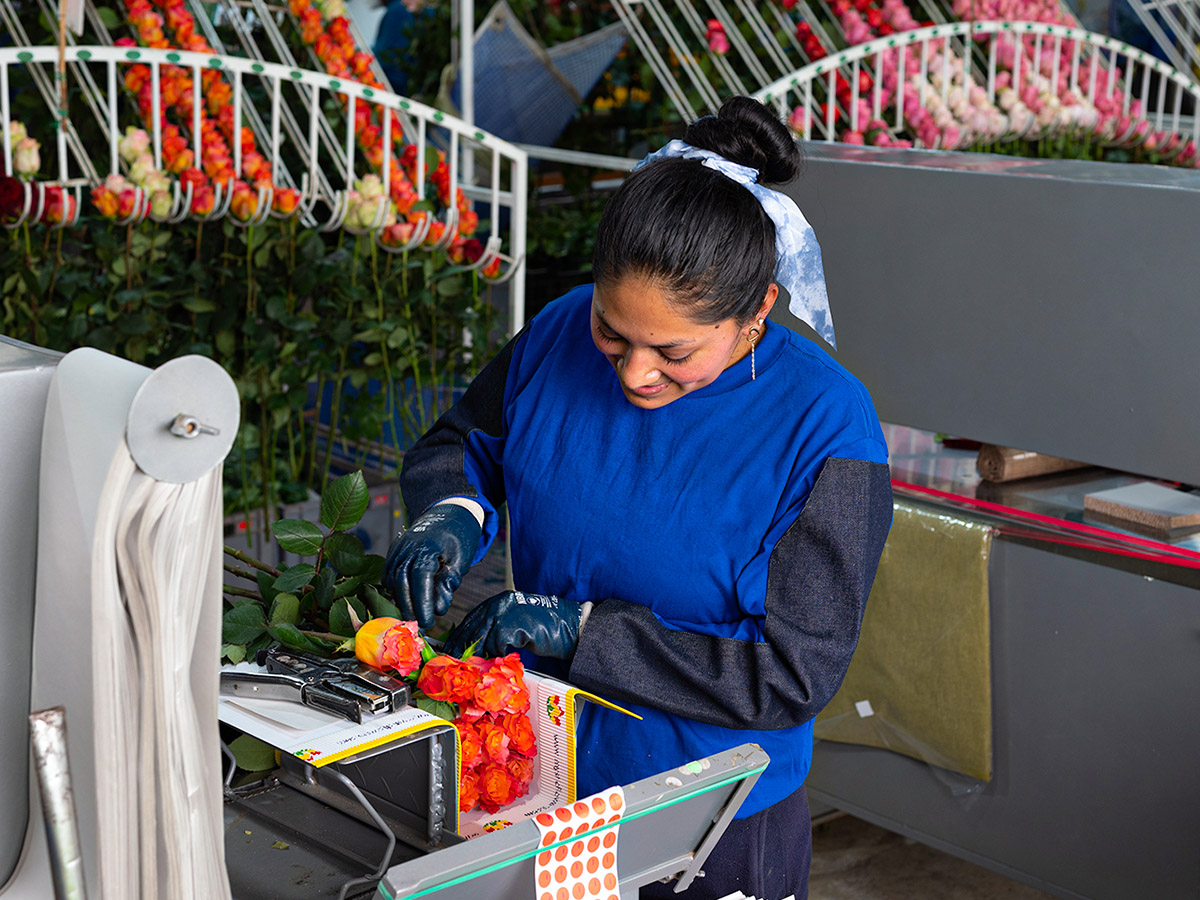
[426, 563]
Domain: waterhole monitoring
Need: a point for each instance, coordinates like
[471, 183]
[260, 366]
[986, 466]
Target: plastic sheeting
[525, 93]
[920, 681]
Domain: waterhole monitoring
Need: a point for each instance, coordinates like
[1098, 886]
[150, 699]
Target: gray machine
[310, 833]
[1051, 306]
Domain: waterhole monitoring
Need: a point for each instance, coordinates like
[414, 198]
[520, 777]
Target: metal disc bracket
[183, 419]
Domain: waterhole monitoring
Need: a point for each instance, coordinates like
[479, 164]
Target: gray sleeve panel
[818, 579]
[435, 467]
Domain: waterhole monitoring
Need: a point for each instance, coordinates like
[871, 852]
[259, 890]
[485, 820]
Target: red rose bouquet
[485, 699]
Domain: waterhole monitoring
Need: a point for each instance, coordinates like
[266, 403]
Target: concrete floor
[854, 860]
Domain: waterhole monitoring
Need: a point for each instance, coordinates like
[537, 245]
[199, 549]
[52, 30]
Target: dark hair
[700, 236]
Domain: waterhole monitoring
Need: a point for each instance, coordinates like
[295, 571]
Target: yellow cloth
[920, 681]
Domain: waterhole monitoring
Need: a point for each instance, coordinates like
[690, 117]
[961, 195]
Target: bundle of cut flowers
[485, 699]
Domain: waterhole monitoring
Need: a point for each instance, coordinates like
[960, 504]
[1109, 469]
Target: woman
[698, 498]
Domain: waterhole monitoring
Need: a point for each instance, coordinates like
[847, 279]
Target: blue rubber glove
[547, 626]
[426, 563]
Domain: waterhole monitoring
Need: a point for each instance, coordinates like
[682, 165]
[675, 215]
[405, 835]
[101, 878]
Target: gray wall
[1042, 304]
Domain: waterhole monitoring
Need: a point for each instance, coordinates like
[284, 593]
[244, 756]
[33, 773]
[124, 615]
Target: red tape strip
[1094, 538]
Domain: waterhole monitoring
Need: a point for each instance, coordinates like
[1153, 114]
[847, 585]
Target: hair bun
[746, 132]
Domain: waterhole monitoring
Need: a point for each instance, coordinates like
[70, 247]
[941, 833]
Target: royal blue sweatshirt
[728, 539]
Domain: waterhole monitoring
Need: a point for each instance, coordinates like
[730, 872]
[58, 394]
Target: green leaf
[427, 652]
[286, 608]
[252, 754]
[266, 583]
[243, 623]
[323, 589]
[298, 536]
[346, 586]
[449, 287]
[372, 570]
[110, 19]
[199, 305]
[470, 651]
[226, 343]
[260, 643]
[235, 653]
[378, 604]
[439, 708]
[345, 553]
[344, 502]
[294, 578]
[291, 636]
[346, 646]
[340, 620]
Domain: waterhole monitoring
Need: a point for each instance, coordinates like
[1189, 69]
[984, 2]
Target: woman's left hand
[514, 620]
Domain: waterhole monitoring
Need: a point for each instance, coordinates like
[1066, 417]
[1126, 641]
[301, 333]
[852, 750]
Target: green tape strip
[461, 879]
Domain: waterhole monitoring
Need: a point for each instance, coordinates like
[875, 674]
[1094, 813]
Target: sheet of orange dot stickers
[580, 859]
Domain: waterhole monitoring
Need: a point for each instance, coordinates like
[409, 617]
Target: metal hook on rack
[383, 208]
[451, 229]
[491, 252]
[262, 209]
[506, 276]
[181, 203]
[222, 199]
[141, 207]
[70, 210]
[26, 206]
[420, 231]
[308, 202]
[341, 206]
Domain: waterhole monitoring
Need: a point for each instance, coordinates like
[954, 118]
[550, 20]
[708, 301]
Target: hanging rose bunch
[486, 700]
[325, 27]
[56, 204]
[176, 94]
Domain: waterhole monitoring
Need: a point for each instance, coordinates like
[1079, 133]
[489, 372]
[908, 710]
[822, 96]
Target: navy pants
[765, 855]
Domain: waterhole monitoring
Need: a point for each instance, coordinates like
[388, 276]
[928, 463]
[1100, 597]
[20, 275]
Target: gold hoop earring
[752, 339]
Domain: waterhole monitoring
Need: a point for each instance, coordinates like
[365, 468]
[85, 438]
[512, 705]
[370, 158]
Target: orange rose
[136, 76]
[105, 201]
[496, 787]
[510, 669]
[468, 221]
[388, 643]
[495, 741]
[245, 202]
[493, 693]
[203, 199]
[449, 679]
[519, 731]
[521, 769]
[286, 200]
[433, 679]
[470, 743]
[468, 791]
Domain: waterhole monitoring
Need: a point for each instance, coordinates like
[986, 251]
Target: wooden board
[1149, 504]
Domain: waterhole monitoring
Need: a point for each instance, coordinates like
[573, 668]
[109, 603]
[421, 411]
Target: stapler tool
[344, 687]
